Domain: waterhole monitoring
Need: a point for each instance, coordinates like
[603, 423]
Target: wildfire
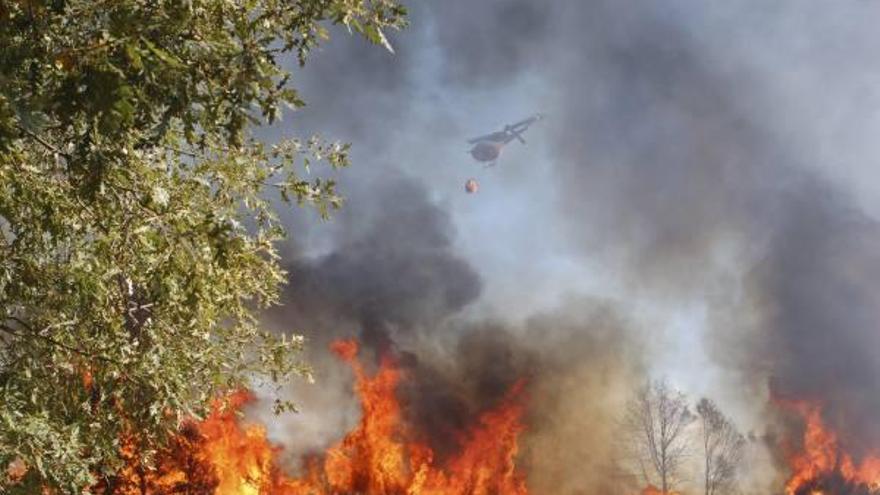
[820, 466]
[380, 456]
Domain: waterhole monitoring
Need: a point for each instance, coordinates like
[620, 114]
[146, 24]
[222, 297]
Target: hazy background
[699, 204]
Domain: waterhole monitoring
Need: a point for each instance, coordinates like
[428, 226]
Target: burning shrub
[381, 456]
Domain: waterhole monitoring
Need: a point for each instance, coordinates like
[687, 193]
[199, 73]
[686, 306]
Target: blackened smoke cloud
[393, 280]
[669, 160]
[393, 270]
[675, 156]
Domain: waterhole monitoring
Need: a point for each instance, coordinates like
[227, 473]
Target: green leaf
[145, 244]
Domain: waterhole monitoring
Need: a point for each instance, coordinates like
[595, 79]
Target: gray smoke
[817, 291]
[392, 269]
[578, 362]
[393, 280]
[687, 154]
[668, 158]
[390, 275]
[486, 43]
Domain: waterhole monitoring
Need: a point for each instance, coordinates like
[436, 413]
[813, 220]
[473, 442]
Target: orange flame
[376, 458]
[821, 456]
[220, 456]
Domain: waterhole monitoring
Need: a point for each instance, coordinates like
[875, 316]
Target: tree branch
[12, 331]
[49, 146]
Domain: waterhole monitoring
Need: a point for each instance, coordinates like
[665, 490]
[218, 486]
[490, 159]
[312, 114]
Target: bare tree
[655, 425]
[723, 448]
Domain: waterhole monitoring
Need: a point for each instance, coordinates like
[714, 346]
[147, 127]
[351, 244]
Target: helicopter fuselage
[486, 151]
[488, 148]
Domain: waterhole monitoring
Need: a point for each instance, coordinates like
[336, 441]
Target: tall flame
[821, 461]
[379, 457]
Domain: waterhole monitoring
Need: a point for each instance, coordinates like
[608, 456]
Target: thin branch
[49, 146]
[50, 340]
[190, 154]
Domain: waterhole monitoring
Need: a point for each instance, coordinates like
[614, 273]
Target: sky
[706, 168]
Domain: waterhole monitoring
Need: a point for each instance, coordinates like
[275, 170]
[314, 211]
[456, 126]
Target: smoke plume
[685, 160]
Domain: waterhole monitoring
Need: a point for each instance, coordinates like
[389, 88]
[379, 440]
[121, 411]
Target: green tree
[137, 238]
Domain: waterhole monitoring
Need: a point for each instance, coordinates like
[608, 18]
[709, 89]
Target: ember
[379, 457]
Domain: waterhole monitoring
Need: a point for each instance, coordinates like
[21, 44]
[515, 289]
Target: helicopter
[488, 148]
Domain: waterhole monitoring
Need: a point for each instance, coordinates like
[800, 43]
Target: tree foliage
[137, 239]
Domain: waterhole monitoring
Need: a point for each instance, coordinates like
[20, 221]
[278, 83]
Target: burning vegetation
[387, 454]
[382, 455]
[821, 466]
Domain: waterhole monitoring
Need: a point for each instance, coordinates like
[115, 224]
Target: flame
[821, 458]
[380, 456]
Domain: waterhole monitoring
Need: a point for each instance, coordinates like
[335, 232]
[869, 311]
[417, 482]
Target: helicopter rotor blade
[525, 123]
[477, 139]
[511, 135]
